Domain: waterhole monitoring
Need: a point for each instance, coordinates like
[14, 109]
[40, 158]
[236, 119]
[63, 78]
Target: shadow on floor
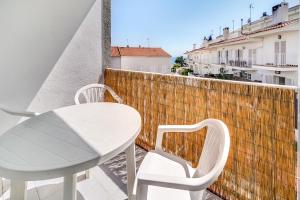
[116, 170]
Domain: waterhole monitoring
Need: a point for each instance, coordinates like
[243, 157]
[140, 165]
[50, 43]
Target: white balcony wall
[49, 49]
[292, 50]
[116, 62]
[148, 64]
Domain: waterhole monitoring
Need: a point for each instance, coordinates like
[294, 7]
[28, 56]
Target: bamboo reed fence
[261, 120]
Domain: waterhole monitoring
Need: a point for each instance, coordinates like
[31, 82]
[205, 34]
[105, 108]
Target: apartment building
[141, 59]
[265, 50]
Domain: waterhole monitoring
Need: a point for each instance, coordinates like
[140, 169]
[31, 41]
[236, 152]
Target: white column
[106, 36]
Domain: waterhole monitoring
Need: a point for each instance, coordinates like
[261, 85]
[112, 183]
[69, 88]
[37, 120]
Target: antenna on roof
[127, 42]
[148, 42]
[220, 30]
[250, 7]
[242, 21]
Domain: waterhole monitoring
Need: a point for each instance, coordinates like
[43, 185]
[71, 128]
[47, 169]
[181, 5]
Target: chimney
[226, 33]
[140, 46]
[280, 13]
[127, 46]
[194, 46]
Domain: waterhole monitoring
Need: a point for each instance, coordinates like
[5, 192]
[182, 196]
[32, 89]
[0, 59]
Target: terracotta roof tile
[138, 51]
[236, 39]
[273, 27]
[115, 52]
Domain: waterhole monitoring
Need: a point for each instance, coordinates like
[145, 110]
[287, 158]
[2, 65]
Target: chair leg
[142, 192]
[87, 174]
[18, 190]
[204, 195]
[131, 170]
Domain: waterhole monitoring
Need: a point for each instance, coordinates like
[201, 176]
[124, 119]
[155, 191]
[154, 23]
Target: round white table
[66, 141]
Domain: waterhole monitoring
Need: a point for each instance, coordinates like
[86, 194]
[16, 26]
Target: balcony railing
[261, 120]
[236, 63]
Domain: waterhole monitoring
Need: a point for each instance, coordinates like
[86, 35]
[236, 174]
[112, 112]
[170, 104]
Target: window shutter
[254, 56]
[283, 53]
[250, 54]
[276, 53]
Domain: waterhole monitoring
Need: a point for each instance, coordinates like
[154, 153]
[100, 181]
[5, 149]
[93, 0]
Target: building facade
[141, 59]
[264, 51]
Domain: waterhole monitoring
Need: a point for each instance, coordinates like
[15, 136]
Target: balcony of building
[43, 71]
[276, 68]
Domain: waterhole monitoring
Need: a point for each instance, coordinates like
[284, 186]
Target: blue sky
[175, 25]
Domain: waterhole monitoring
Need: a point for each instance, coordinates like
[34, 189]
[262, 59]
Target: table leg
[131, 169]
[70, 187]
[18, 190]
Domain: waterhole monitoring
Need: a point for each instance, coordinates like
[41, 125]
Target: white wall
[148, 64]
[116, 62]
[292, 51]
[291, 39]
[39, 67]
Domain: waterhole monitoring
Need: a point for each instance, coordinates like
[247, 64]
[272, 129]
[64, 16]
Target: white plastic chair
[164, 176]
[95, 93]
[18, 113]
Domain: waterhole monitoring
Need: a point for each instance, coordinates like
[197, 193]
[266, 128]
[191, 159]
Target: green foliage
[175, 67]
[223, 74]
[181, 61]
[185, 71]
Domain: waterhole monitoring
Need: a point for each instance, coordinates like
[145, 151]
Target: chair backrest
[94, 93]
[215, 150]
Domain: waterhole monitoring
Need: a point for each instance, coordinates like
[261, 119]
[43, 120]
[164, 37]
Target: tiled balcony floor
[107, 182]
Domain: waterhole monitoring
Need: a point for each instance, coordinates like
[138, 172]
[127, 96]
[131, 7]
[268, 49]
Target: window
[219, 57]
[249, 77]
[280, 53]
[227, 56]
[279, 80]
[238, 57]
[250, 57]
[254, 57]
[276, 53]
[283, 53]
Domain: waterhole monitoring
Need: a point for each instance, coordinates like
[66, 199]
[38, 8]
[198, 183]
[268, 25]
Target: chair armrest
[181, 183]
[17, 112]
[175, 128]
[114, 95]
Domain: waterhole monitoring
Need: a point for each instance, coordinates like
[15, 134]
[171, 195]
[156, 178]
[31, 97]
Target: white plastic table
[66, 141]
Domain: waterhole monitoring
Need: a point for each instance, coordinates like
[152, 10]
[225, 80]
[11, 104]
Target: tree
[175, 67]
[185, 71]
[180, 60]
